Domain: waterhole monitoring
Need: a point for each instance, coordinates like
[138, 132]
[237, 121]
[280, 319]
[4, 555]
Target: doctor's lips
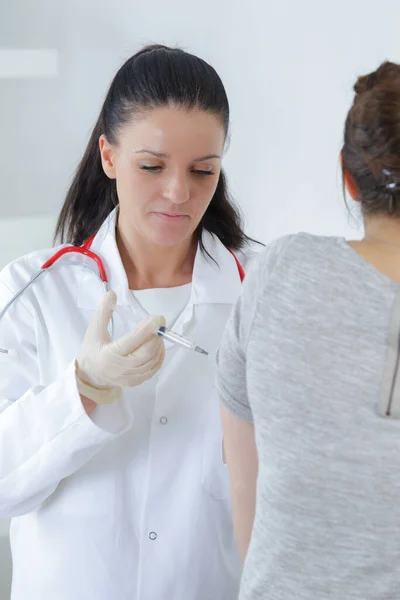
[167, 216]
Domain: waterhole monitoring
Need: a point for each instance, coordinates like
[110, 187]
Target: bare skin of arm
[242, 461]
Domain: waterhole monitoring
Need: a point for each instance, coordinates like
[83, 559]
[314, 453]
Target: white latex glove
[104, 367]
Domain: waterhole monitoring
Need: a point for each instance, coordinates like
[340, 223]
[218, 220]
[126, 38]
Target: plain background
[288, 67]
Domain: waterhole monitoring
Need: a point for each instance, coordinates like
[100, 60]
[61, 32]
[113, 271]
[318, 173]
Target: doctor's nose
[178, 189]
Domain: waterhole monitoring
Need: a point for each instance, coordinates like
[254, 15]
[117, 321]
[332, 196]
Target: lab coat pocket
[215, 476]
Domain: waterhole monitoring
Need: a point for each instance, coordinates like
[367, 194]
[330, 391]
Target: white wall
[288, 67]
[24, 234]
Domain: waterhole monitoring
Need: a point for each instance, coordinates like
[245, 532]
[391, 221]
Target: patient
[310, 387]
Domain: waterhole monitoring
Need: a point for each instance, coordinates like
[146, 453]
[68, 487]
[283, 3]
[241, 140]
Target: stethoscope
[84, 250]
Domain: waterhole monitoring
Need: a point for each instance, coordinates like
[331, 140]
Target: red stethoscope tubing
[85, 250]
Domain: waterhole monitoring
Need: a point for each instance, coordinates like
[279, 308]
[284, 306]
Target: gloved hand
[104, 367]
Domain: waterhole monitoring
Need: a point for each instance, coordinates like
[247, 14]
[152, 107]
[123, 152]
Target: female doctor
[111, 458]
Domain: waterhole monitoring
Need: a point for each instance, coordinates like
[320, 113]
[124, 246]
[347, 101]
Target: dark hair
[155, 76]
[371, 150]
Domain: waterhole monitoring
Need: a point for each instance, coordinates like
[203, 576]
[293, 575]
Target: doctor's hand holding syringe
[104, 367]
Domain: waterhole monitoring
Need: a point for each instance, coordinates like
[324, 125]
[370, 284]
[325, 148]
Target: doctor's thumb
[102, 316]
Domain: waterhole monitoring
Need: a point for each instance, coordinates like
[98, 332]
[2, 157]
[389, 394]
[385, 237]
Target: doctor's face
[166, 163]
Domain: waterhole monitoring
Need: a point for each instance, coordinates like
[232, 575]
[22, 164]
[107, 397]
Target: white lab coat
[133, 502]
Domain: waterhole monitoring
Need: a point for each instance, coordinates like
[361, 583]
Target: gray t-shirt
[311, 355]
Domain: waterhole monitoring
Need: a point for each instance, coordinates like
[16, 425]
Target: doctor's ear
[107, 154]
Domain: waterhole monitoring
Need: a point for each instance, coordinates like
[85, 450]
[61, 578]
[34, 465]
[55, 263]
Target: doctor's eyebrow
[164, 155]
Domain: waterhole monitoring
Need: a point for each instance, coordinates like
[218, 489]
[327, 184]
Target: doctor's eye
[151, 169]
[202, 172]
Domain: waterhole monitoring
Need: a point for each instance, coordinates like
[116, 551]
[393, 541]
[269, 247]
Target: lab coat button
[163, 420]
[153, 535]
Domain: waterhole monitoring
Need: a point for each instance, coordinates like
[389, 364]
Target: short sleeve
[232, 355]
[231, 358]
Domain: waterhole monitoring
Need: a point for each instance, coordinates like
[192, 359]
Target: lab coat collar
[215, 280]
